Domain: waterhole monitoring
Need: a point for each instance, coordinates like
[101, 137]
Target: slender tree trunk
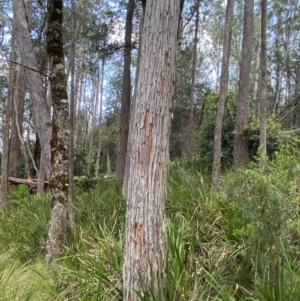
[17, 122]
[241, 147]
[132, 109]
[6, 130]
[126, 93]
[108, 164]
[72, 120]
[264, 80]
[93, 125]
[257, 74]
[191, 143]
[34, 83]
[222, 93]
[145, 242]
[279, 61]
[97, 168]
[59, 182]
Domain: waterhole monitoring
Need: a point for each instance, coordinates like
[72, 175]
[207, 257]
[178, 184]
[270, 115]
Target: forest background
[230, 237]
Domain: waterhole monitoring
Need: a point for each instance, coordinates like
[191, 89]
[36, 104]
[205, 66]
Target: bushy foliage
[237, 242]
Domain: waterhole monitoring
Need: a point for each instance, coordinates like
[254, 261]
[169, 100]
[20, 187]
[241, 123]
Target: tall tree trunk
[145, 242]
[97, 167]
[279, 62]
[34, 83]
[6, 130]
[264, 80]
[132, 109]
[72, 120]
[93, 124]
[59, 182]
[241, 147]
[126, 93]
[222, 93]
[191, 144]
[17, 122]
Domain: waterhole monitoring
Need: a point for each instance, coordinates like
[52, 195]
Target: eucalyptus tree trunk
[145, 239]
[35, 84]
[59, 181]
[191, 144]
[17, 122]
[126, 93]
[241, 141]
[97, 167]
[95, 99]
[264, 80]
[6, 129]
[132, 109]
[222, 93]
[72, 120]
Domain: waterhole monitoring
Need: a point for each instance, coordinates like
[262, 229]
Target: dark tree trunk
[59, 180]
[241, 141]
[132, 108]
[126, 93]
[17, 122]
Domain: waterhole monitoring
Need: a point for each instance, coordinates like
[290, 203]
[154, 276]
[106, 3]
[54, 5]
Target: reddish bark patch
[138, 236]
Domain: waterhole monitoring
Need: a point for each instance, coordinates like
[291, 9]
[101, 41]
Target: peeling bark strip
[146, 245]
[59, 180]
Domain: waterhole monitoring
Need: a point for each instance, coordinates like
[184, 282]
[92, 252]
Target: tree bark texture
[241, 147]
[222, 93]
[264, 81]
[59, 181]
[34, 82]
[145, 243]
[126, 93]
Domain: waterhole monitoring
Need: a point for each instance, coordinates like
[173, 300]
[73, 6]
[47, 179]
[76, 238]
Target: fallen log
[28, 182]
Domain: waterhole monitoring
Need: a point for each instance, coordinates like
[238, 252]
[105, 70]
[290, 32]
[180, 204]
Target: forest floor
[240, 241]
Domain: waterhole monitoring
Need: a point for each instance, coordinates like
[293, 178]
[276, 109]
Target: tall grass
[240, 242]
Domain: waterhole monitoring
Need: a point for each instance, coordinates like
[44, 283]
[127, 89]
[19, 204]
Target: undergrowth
[237, 242]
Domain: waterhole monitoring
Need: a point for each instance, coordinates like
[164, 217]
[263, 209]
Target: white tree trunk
[146, 245]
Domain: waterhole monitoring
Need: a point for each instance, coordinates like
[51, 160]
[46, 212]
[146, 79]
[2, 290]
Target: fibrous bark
[145, 242]
[59, 181]
[241, 141]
